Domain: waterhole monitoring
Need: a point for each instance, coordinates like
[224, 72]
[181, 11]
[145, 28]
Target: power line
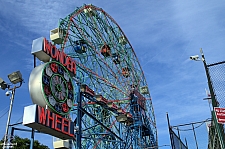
[4, 114]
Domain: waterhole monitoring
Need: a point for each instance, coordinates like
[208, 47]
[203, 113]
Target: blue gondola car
[80, 46]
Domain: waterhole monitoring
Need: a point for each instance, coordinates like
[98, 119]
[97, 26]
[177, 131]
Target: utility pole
[9, 117]
[15, 77]
[13, 90]
[214, 103]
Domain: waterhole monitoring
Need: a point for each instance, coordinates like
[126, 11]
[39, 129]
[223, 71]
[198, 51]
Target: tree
[24, 143]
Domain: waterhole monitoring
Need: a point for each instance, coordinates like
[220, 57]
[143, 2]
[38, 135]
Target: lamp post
[14, 78]
[213, 97]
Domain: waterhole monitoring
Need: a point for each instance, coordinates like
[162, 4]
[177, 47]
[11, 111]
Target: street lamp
[15, 77]
[213, 96]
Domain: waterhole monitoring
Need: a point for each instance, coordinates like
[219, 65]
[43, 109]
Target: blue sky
[164, 34]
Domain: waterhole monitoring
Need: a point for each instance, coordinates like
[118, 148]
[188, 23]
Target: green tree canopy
[24, 143]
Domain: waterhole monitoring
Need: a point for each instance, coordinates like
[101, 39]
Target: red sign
[48, 122]
[59, 56]
[220, 114]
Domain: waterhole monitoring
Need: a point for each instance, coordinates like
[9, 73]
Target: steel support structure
[140, 128]
[93, 131]
[79, 117]
[218, 127]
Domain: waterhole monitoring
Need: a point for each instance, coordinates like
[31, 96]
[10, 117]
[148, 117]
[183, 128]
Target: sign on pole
[220, 114]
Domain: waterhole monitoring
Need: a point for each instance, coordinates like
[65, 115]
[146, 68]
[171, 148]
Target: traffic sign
[220, 114]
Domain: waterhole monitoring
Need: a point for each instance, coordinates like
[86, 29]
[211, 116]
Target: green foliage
[24, 143]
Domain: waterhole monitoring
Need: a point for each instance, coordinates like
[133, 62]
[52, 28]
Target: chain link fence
[217, 76]
[217, 73]
[190, 136]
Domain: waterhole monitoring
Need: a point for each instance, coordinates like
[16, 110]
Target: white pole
[5, 144]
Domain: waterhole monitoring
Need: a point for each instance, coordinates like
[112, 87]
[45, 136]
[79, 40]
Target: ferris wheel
[117, 106]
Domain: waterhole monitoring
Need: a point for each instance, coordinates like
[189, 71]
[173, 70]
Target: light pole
[213, 97]
[15, 77]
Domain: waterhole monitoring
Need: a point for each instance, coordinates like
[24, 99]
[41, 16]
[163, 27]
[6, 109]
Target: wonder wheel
[116, 110]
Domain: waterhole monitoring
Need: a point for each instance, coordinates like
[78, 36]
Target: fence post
[171, 138]
[193, 128]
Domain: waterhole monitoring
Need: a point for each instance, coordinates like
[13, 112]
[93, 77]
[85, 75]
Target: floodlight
[3, 85]
[195, 58]
[1, 81]
[15, 77]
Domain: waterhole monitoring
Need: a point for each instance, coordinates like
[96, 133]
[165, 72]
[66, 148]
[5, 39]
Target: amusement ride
[107, 97]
